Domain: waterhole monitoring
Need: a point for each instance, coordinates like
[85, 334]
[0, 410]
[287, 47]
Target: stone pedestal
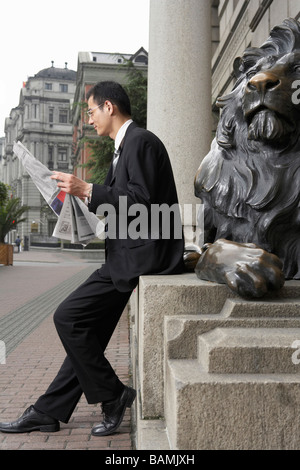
[214, 371]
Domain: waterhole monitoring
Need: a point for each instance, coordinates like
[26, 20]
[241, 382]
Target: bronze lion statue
[249, 182]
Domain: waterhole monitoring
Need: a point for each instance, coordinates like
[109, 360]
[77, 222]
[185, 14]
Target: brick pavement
[36, 356]
[33, 273]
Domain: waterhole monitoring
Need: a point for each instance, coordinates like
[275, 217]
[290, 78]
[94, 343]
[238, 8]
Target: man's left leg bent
[85, 322]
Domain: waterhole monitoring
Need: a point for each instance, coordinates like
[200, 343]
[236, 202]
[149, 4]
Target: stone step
[159, 297]
[181, 331]
[250, 350]
[230, 411]
[241, 308]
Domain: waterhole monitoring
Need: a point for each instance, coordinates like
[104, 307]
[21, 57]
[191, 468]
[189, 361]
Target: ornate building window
[35, 111]
[62, 162]
[63, 88]
[63, 116]
[50, 157]
[51, 114]
[62, 154]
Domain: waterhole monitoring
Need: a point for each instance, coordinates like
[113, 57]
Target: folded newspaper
[75, 222]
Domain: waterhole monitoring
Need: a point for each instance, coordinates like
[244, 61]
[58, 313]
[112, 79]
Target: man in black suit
[139, 181]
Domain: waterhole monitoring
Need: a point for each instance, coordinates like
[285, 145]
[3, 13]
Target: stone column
[179, 85]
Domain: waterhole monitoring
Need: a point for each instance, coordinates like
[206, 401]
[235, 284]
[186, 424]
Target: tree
[3, 193]
[136, 88]
[11, 212]
[102, 148]
[101, 151]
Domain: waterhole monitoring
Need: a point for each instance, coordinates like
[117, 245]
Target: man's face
[99, 118]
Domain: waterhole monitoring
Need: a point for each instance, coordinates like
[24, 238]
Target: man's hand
[71, 184]
[247, 269]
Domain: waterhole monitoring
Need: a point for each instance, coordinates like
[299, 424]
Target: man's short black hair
[113, 92]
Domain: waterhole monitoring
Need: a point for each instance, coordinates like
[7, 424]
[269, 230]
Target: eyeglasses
[90, 111]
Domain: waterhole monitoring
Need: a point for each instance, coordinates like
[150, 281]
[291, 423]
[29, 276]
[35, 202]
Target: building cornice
[259, 14]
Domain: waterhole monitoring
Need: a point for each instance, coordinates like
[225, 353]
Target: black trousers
[85, 322]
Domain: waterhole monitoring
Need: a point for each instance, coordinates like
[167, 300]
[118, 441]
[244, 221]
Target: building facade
[41, 121]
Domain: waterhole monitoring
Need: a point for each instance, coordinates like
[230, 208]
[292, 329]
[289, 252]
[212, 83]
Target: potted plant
[11, 214]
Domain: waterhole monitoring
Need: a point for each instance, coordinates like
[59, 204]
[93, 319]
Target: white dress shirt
[119, 137]
[121, 133]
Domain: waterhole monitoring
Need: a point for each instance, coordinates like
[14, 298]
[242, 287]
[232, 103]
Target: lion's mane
[249, 182]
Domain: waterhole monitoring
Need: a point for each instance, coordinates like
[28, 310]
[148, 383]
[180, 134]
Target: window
[48, 86]
[63, 116]
[50, 153]
[50, 157]
[63, 88]
[62, 155]
[51, 114]
[141, 59]
[35, 111]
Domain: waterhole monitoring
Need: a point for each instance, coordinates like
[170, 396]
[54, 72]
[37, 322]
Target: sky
[35, 32]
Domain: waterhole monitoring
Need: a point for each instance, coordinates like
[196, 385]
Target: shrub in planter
[11, 214]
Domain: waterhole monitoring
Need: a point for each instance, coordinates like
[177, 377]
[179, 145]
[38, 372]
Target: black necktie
[115, 159]
[116, 156]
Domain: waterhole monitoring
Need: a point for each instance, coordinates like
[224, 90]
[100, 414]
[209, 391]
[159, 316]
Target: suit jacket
[143, 176]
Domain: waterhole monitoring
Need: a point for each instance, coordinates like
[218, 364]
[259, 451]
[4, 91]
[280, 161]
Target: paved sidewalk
[30, 290]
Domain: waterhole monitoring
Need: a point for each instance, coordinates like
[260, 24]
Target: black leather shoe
[31, 420]
[113, 412]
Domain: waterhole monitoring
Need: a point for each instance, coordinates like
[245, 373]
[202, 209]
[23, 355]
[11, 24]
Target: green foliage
[102, 148]
[11, 212]
[3, 193]
[136, 88]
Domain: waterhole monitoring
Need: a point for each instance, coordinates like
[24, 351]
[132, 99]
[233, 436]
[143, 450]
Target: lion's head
[250, 180]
